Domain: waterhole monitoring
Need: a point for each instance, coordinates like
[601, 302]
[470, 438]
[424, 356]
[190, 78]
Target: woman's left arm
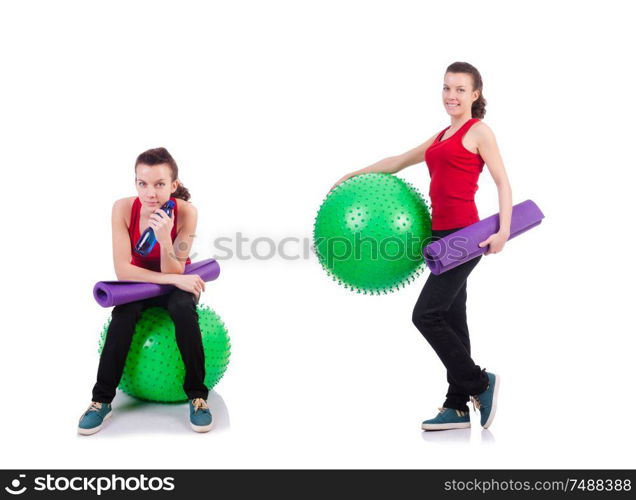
[175, 254]
[489, 151]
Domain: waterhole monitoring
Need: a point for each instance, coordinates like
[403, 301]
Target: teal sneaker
[486, 402]
[93, 418]
[447, 418]
[200, 416]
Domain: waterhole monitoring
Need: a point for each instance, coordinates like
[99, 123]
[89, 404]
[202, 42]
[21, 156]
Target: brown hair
[479, 106]
[158, 156]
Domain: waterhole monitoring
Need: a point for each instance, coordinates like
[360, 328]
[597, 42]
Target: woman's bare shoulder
[482, 129]
[185, 207]
[123, 203]
[478, 135]
[122, 207]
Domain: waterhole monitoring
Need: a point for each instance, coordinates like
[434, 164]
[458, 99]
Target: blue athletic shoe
[486, 402]
[447, 418]
[94, 417]
[200, 416]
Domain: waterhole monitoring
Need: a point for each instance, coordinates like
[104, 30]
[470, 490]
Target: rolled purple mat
[463, 245]
[113, 293]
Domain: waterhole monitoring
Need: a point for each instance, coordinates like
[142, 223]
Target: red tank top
[454, 173]
[151, 261]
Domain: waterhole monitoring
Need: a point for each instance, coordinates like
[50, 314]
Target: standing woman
[156, 179]
[455, 158]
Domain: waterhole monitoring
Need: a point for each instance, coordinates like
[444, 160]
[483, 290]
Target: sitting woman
[156, 179]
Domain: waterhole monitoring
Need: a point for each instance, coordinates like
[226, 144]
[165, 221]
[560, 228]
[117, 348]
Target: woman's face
[154, 185]
[458, 94]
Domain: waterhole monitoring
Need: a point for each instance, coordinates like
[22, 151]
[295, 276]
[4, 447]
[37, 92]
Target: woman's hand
[496, 242]
[341, 180]
[162, 225]
[190, 283]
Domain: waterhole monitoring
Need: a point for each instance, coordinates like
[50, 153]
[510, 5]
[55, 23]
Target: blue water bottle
[147, 240]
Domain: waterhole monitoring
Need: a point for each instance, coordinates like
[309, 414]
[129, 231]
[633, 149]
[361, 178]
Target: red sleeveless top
[454, 173]
[151, 261]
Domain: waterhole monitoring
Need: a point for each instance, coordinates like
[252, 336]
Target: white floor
[132, 417]
[340, 381]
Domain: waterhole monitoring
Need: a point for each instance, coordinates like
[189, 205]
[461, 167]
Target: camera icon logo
[15, 489]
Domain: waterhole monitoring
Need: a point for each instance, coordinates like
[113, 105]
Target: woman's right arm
[124, 270]
[393, 164]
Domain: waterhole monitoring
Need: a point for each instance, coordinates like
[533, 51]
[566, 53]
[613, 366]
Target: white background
[264, 105]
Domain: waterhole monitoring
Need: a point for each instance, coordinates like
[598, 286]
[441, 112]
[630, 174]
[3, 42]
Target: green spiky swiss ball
[368, 208]
[154, 370]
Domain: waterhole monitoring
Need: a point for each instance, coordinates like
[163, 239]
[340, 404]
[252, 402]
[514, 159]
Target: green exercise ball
[369, 233]
[154, 370]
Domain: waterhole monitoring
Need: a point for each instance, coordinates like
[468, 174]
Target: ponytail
[181, 192]
[478, 109]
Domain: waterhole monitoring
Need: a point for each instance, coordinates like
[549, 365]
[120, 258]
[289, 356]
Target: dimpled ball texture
[154, 370]
[370, 231]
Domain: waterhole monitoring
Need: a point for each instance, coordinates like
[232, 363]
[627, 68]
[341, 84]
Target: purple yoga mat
[463, 245]
[113, 293]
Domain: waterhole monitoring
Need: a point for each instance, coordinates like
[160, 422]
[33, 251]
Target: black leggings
[440, 316]
[182, 309]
